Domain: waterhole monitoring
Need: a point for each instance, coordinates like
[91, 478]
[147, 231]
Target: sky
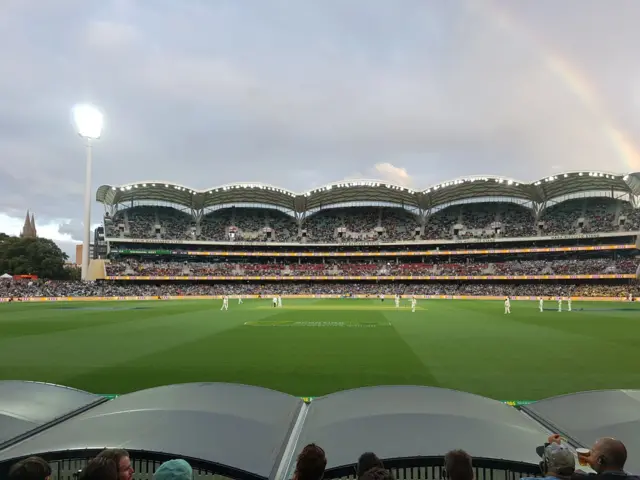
[300, 93]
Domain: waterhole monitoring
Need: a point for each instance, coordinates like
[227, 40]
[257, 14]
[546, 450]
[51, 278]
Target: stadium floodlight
[89, 122]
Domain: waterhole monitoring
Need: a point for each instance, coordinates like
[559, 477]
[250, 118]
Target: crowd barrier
[421, 253]
[372, 277]
[306, 296]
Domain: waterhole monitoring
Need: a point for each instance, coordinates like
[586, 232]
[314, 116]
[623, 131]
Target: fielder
[541, 304]
[507, 305]
[225, 303]
[413, 304]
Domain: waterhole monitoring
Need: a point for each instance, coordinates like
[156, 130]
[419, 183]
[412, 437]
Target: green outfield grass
[314, 347]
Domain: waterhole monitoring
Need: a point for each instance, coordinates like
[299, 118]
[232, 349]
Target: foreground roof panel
[234, 425]
[28, 405]
[588, 416]
[405, 421]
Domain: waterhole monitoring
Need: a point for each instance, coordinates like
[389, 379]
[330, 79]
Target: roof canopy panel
[249, 193]
[360, 191]
[569, 183]
[589, 416]
[405, 421]
[476, 187]
[28, 405]
[371, 191]
[238, 426]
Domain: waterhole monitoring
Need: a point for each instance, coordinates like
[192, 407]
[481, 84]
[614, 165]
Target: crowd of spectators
[52, 289]
[336, 225]
[588, 266]
[606, 458]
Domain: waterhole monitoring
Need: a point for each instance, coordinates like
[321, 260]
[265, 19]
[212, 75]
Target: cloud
[393, 174]
[301, 94]
[106, 35]
[73, 229]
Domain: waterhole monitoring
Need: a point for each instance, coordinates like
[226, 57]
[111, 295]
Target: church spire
[29, 228]
[33, 225]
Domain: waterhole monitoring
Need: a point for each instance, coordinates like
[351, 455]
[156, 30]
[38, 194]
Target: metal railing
[430, 468]
[66, 465]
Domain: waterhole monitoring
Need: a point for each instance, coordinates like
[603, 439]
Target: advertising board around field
[390, 278]
[297, 296]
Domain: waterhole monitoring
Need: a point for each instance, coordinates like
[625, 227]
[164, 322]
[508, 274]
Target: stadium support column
[87, 211]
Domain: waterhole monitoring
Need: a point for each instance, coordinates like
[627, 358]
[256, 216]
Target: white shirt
[507, 303]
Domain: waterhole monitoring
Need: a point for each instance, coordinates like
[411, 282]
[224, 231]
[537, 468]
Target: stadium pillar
[86, 241]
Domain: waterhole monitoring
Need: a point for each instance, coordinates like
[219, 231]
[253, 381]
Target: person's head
[174, 470]
[367, 461]
[32, 468]
[377, 473]
[100, 468]
[311, 463]
[558, 460]
[122, 461]
[458, 465]
[608, 454]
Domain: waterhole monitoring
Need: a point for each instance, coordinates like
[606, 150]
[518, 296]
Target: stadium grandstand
[566, 234]
[470, 208]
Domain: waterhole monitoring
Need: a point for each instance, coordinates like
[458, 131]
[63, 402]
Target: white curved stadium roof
[545, 189]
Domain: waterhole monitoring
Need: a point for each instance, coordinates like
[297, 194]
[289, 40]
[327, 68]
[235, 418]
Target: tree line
[34, 256]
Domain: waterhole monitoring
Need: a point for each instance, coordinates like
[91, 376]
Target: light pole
[89, 121]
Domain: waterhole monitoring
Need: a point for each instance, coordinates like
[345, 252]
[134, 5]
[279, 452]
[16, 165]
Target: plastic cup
[583, 456]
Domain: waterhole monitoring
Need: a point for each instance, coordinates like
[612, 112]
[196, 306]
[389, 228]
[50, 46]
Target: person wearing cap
[558, 461]
[174, 470]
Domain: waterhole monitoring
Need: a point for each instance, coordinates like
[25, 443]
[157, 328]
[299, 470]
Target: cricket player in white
[507, 305]
[225, 303]
[559, 304]
[541, 304]
[568, 304]
[397, 300]
[275, 302]
[279, 301]
[413, 304]
[240, 301]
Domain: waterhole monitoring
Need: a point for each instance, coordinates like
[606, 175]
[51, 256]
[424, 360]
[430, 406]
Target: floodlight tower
[89, 121]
